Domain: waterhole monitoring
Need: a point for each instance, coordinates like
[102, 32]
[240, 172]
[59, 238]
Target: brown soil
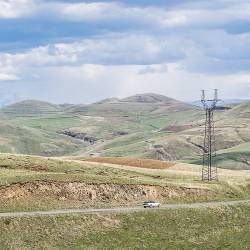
[125, 161]
[91, 195]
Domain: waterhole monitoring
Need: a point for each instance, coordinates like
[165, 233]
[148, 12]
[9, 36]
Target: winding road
[122, 209]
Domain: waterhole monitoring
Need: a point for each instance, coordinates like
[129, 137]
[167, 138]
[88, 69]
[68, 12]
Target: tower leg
[209, 169]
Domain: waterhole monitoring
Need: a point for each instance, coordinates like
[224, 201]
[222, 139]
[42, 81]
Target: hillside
[145, 126]
[31, 183]
[29, 108]
[242, 110]
[35, 183]
[142, 105]
[81, 125]
[148, 98]
[108, 100]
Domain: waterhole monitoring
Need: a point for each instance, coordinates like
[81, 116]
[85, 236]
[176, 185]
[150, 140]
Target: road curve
[121, 209]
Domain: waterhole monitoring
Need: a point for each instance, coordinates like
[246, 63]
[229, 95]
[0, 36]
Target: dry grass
[133, 162]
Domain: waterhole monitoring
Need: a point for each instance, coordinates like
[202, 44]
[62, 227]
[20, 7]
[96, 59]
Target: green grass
[21, 169]
[14, 168]
[244, 147]
[212, 228]
[238, 160]
[36, 141]
[49, 123]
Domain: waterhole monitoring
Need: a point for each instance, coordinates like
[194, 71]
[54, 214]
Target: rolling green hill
[148, 98]
[145, 125]
[30, 108]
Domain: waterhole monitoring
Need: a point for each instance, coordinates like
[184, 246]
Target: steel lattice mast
[209, 169]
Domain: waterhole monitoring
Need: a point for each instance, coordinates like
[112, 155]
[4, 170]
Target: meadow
[207, 228]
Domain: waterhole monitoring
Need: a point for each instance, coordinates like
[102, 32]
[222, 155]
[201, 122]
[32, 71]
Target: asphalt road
[121, 209]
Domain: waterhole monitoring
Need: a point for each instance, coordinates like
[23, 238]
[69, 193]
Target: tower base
[209, 173]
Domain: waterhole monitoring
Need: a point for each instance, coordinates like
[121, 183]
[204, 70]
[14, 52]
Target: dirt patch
[125, 161]
[92, 195]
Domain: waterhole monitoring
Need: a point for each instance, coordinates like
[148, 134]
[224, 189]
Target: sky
[79, 51]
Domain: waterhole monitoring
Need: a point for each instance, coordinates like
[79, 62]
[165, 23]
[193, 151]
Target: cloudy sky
[79, 51]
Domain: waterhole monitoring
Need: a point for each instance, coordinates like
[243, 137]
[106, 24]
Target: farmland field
[132, 162]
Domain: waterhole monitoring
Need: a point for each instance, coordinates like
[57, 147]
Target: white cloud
[88, 11]
[155, 68]
[170, 51]
[185, 15]
[89, 83]
[8, 77]
[121, 49]
[183, 85]
[207, 52]
[16, 8]
[151, 16]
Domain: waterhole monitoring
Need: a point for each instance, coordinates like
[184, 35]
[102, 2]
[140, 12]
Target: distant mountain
[141, 104]
[30, 107]
[147, 98]
[108, 100]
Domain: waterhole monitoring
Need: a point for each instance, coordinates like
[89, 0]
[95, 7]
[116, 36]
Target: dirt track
[122, 209]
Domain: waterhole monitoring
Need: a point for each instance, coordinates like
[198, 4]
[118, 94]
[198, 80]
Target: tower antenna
[209, 169]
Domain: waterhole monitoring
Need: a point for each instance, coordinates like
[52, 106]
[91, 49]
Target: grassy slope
[237, 157]
[213, 228]
[29, 107]
[142, 121]
[141, 116]
[38, 135]
[18, 169]
[180, 145]
[21, 168]
[98, 120]
[26, 169]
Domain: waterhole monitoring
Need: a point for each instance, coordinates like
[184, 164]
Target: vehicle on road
[151, 204]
